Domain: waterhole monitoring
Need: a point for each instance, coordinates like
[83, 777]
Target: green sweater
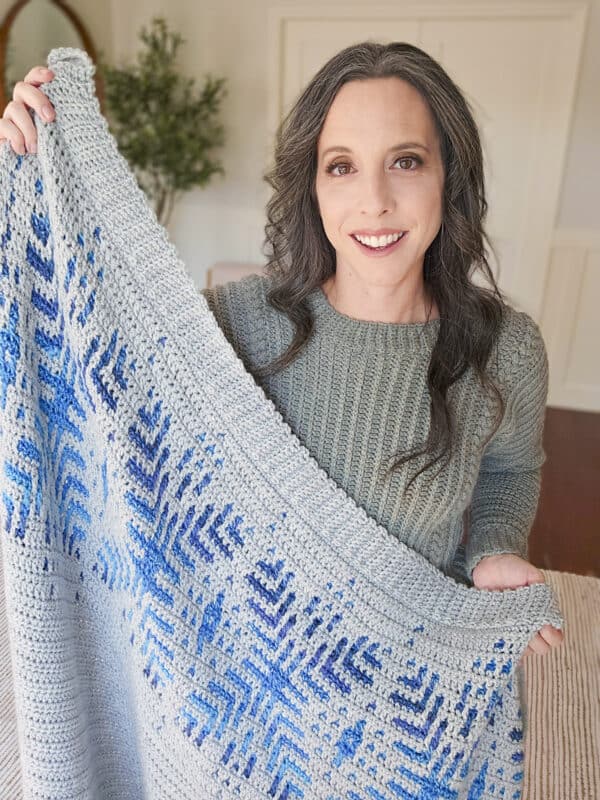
[357, 395]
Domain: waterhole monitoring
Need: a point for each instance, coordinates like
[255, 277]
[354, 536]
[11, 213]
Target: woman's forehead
[380, 111]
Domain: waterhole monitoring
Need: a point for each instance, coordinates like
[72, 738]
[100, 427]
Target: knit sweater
[196, 609]
[357, 394]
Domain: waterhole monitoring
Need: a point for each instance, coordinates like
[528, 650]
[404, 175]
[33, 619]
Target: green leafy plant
[164, 129]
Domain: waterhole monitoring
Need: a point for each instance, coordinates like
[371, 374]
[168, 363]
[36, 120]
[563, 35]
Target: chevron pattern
[273, 683]
[291, 653]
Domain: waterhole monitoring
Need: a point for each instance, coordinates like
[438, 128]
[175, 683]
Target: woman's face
[390, 178]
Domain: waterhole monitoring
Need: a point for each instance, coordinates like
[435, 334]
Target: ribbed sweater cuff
[493, 542]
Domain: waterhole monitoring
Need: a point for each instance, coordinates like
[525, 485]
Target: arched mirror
[29, 30]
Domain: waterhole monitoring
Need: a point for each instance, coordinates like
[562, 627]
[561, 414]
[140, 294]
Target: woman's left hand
[509, 571]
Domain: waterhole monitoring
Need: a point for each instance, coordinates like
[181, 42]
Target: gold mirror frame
[88, 45]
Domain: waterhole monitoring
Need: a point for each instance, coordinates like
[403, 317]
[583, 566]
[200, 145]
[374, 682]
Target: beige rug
[562, 742]
[562, 738]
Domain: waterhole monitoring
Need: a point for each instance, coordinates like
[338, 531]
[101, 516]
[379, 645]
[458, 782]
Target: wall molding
[569, 321]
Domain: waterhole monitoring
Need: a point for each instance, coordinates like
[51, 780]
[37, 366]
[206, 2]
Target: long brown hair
[300, 257]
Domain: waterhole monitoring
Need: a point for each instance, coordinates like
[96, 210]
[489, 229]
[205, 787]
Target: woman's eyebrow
[401, 146]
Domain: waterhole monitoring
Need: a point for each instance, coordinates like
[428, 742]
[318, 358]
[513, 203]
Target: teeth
[379, 241]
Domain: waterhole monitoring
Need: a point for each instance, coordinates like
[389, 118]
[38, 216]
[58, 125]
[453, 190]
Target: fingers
[38, 75]
[539, 645]
[17, 124]
[551, 635]
[28, 95]
[534, 575]
[544, 640]
[11, 133]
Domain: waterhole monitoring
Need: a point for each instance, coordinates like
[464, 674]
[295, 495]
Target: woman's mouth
[380, 251]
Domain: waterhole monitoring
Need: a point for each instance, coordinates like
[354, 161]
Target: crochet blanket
[196, 609]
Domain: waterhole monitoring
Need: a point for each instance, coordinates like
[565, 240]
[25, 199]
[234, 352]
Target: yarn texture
[197, 610]
[357, 393]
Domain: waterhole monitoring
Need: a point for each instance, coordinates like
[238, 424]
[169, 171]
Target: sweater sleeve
[216, 297]
[506, 494]
[239, 309]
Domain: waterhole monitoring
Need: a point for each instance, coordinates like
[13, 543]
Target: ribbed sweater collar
[366, 334]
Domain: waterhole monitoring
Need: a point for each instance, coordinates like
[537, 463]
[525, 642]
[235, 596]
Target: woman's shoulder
[242, 294]
[520, 350]
[239, 308]
[248, 288]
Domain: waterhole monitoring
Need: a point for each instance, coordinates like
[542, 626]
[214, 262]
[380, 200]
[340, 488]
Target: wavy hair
[300, 257]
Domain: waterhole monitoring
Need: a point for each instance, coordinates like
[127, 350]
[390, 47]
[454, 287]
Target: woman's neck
[377, 308]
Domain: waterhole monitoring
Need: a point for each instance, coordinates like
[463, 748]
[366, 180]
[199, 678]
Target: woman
[367, 331]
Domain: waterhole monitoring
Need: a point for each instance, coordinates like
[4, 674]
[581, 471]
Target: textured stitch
[357, 394]
[197, 610]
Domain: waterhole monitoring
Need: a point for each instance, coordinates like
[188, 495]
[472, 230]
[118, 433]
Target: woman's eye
[331, 167]
[410, 158]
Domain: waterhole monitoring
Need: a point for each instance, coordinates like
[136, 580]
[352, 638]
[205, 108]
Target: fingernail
[47, 112]
[33, 147]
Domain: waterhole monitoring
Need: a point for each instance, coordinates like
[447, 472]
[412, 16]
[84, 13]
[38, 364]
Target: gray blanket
[196, 609]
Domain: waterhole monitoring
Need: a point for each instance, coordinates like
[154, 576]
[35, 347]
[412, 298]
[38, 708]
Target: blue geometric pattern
[271, 682]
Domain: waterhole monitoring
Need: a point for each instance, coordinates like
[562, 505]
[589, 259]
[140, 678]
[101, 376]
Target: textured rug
[195, 609]
[562, 745]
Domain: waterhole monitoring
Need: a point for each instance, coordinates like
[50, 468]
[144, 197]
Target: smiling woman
[388, 196]
[368, 330]
[382, 143]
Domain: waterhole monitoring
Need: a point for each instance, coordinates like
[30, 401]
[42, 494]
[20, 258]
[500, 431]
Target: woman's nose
[376, 194]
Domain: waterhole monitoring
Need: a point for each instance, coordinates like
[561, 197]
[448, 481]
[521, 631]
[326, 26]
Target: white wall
[229, 38]
[580, 206]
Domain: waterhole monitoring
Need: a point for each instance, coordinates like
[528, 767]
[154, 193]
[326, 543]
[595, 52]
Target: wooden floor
[566, 531]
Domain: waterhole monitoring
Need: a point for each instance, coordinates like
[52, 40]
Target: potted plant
[163, 127]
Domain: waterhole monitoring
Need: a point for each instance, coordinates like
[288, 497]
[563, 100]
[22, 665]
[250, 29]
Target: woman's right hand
[16, 124]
